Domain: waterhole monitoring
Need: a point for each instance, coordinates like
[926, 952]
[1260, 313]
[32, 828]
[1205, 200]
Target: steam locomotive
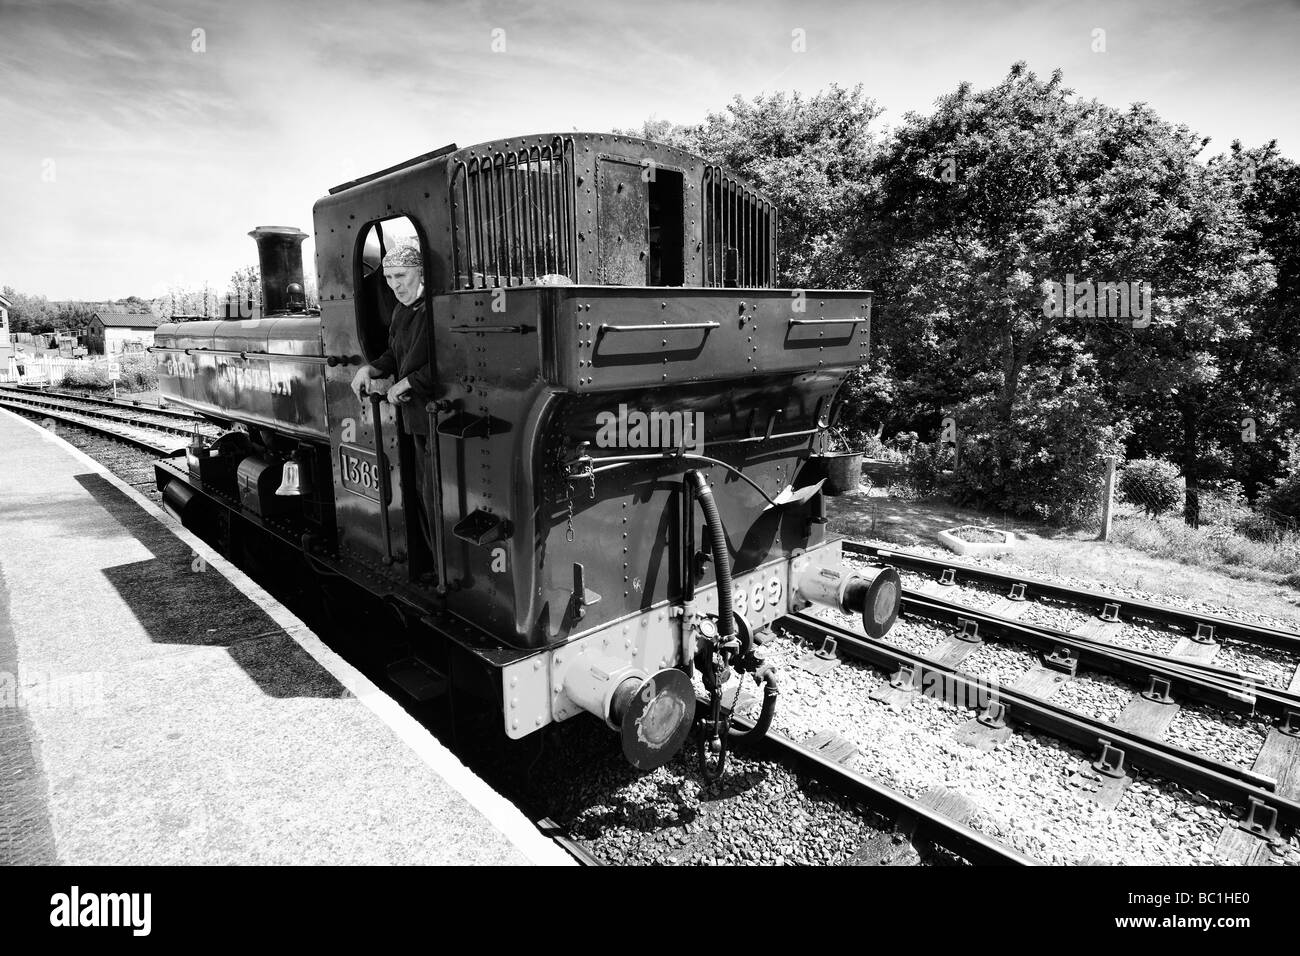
[628, 441]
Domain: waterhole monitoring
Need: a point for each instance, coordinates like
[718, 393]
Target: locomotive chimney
[279, 252]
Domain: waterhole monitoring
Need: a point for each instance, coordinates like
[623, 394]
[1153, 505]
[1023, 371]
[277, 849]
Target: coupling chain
[568, 507]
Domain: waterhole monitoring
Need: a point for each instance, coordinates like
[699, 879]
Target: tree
[1264, 367]
[811, 156]
[245, 286]
[1150, 484]
[973, 224]
[29, 313]
[1187, 375]
[1002, 203]
[134, 304]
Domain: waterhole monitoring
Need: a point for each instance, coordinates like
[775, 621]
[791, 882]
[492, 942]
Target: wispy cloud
[165, 157]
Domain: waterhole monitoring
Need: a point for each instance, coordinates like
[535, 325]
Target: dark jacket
[409, 356]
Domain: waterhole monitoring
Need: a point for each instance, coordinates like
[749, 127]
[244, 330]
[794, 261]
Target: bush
[926, 465]
[873, 447]
[138, 375]
[1045, 462]
[85, 376]
[1152, 485]
[1285, 497]
[1224, 504]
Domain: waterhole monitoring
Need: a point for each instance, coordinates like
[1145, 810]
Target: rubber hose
[721, 557]
[770, 692]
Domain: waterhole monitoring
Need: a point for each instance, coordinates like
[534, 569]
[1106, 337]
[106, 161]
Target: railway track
[1095, 765]
[1187, 672]
[579, 851]
[161, 431]
[913, 818]
[1003, 705]
[1109, 606]
[1265, 795]
[170, 414]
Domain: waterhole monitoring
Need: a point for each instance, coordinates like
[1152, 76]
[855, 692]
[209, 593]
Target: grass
[1213, 546]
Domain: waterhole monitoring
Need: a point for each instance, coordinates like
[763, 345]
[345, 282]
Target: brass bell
[291, 484]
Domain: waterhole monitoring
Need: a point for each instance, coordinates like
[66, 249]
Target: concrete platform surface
[158, 707]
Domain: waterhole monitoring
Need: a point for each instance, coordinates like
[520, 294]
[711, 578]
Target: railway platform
[158, 707]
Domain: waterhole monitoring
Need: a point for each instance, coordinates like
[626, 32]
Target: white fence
[50, 371]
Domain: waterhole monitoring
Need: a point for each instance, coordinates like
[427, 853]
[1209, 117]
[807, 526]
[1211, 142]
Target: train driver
[407, 359]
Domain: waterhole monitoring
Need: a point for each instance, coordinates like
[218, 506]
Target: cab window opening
[375, 300]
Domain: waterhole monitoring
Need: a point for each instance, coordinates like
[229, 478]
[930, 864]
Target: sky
[141, 141]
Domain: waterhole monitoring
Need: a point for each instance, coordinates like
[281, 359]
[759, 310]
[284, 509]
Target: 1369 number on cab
[759, 600]
[360, 472]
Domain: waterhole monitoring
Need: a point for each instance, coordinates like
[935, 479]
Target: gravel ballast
[1099, 696]
[1223, 735]
[1020, 790]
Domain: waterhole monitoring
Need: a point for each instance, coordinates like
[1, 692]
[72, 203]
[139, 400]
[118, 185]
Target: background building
[112, 333]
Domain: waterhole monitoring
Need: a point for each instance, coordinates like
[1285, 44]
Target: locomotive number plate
[360, 471]
[759, 599]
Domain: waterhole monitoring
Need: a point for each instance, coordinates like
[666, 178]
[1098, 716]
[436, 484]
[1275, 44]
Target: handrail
[680, 326]
[330, 360]
[854, 320]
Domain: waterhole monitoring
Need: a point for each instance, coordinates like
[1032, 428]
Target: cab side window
[374, 299]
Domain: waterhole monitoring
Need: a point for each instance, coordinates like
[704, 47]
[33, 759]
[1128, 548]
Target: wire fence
[1199, 525]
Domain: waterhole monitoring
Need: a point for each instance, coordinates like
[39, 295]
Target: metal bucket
[843, 473]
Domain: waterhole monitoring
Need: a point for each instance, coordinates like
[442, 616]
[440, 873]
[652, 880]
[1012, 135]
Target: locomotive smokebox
[279, 253]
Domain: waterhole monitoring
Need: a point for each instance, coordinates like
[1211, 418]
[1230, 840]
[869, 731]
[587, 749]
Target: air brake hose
[767, 674]
[721, 557]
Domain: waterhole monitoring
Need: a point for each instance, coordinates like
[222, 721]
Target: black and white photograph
[790, 435]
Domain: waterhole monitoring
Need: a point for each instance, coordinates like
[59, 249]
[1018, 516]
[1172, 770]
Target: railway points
[175, 713]
[1162, 685]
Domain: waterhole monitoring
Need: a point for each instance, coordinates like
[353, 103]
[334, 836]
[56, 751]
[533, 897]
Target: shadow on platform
[179, 600]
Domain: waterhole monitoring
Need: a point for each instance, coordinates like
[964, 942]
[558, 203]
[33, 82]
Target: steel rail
[1206, 686]
[930, 825]
[87, 422]
[560, 836]
[107, 402]
[1210, 776]
[94, 409]
[1262, 634]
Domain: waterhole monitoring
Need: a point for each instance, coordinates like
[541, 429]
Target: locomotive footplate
[380, 582]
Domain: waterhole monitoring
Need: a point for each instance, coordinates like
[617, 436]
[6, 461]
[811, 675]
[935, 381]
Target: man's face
[405, 282]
